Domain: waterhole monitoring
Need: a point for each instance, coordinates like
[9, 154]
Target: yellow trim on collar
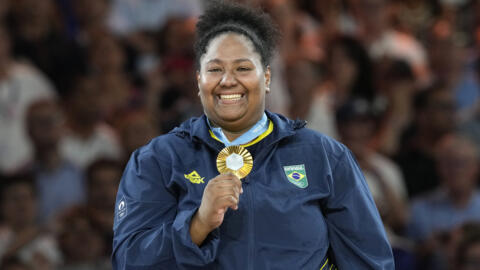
[256, 140]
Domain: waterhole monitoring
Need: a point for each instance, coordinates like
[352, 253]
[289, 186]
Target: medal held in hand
[235, 159]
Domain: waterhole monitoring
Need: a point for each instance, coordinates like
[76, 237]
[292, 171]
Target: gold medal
[236, 160]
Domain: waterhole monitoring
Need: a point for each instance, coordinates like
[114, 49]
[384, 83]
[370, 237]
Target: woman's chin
[230, 114]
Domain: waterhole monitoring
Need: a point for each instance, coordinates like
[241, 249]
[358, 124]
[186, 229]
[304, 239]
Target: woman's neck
[236, 133]
[232, 135]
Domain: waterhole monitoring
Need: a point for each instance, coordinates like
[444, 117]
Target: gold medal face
[236, 160]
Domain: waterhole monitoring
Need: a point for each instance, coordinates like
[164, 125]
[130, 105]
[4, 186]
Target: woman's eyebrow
[215, 60]
[218, 61]
[242, 60]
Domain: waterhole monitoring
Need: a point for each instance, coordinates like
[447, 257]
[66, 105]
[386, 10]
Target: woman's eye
[244, 69]
[214, 70]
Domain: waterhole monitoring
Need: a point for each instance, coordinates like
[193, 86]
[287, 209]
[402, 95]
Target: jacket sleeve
[150, 232]
[357, 236]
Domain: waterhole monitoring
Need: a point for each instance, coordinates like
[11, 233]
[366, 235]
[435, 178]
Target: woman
[303, 205]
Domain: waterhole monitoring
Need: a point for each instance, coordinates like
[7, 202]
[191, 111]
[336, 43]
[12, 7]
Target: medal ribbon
[260, 127]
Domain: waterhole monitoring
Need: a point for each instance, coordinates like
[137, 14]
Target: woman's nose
[228, 80]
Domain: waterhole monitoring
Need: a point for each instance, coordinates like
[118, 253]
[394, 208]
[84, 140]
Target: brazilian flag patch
[297, 175]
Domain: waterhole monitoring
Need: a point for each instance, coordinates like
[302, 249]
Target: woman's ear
[267, 79]
[198, 81]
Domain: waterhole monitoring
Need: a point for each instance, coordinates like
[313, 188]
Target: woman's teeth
[231, 97]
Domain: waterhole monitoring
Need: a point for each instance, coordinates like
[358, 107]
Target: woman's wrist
[198, 230]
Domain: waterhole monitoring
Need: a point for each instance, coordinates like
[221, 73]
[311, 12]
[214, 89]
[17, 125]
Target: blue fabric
[277, 226]
[58, 189]
[260, 127]
[435, 213]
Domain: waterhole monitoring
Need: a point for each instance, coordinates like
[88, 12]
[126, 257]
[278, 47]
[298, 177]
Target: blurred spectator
[386, 36]
[20, 236]
[20, 85]
[81, 242]
[397, 85]
[136, 129]
[39, 36]
[103, 177]
[117, 96]
[351, 70]
[468, 250]
[448, 59]
[173, 108]
[301, 54]
[58, 182]
[350, 75]
[301, 81]
[175, 99]
[435, 116]
[87, 137]
[107, 63]
[156, 36]
[175, 67]
[455, 202]
[356, 126]
[471, 127]
[129, 16]
[467, 89]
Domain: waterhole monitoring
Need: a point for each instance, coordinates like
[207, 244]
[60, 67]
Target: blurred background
[83, 83]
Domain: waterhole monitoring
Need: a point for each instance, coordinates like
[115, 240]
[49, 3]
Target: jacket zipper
[251, 247]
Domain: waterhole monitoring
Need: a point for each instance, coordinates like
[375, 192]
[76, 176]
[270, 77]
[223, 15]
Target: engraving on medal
[234, 162]
[235, 159]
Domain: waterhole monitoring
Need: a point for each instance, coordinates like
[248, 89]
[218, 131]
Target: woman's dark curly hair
[223, 16]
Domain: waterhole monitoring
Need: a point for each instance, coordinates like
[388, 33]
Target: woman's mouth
[230, 98]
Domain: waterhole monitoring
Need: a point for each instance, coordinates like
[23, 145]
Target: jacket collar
[196, 129]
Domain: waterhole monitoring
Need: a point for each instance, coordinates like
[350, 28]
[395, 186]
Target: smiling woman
[241, 187]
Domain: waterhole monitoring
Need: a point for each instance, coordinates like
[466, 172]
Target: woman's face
[232, 82]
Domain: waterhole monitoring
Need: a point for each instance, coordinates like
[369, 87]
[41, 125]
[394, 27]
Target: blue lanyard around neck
[260, 127]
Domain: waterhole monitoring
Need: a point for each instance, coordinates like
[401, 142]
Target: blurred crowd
[83, 83]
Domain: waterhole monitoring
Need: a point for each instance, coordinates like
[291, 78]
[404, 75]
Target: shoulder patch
[121, 208]
[194, 177]
[297, 175]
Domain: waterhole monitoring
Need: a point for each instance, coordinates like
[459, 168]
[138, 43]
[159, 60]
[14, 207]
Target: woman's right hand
[221, 193]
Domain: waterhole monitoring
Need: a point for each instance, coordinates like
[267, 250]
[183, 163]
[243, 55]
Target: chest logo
[297, 175]
[194, 177]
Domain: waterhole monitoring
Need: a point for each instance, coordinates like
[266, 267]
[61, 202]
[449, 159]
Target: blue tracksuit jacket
[328, 216]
